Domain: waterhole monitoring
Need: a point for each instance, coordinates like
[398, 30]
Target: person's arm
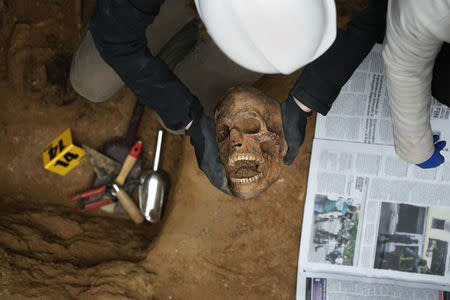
[412, 44]
[118, 29]
[321, 81]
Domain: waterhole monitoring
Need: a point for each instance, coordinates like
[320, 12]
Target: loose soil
[209, 245]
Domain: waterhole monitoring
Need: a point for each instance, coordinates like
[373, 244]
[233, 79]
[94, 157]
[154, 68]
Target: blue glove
[203, 138]
[294, 125]
[436, 159]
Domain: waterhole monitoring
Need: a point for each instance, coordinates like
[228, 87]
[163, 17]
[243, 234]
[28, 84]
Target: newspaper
[316, 287]
[368, 213]
[361, 111]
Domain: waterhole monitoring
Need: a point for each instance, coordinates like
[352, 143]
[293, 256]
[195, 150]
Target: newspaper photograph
[335, 230]
[413, 238]
[368, 212]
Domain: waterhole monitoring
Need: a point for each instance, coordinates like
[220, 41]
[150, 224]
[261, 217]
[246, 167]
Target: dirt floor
[209, 245]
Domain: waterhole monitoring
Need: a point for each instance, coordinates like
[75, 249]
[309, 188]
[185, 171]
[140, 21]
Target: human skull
[251, 140]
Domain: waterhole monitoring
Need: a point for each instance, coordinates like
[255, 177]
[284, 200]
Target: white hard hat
[270, 36]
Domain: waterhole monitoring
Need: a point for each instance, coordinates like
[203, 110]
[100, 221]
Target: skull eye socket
[222, 133]
[249, 125]
[270, 147]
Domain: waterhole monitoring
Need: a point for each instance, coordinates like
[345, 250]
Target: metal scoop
[153, 188]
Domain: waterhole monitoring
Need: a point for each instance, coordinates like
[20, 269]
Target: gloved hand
[436, 159]
[294, 125]
[203, 138]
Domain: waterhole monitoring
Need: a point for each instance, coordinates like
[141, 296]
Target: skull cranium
[250, 139]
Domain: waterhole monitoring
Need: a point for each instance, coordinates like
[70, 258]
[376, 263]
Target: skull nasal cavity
[235, 138]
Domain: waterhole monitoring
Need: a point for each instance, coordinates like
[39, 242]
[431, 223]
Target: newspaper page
[327, 287]
[361, 111]
[368, 212]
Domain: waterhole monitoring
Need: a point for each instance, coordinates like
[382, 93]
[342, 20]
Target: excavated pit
[46, 247]
[208, 246]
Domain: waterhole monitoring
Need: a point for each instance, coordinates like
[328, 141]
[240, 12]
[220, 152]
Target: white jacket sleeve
[415, 31]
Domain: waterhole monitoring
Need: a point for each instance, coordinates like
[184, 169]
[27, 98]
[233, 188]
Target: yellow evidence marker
[61, 155]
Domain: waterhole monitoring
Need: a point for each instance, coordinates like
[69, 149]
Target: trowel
[153, 188]
[105, 168]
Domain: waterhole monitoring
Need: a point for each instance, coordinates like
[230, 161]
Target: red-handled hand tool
[84, 206]
[125, 200]
[129, 163]
[100, 196]
[119, 191]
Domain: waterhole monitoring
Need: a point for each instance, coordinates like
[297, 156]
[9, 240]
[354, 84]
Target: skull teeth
[244, 157]
[246, 180]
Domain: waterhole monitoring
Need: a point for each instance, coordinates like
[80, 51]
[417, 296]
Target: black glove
[203, 138]
[294, 125]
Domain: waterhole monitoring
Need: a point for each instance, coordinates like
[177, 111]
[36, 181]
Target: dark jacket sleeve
[321, 81]
[118, 29]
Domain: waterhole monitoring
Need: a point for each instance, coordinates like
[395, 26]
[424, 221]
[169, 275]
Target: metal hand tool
[104, 167]
[125, 200]
[100, 196]
[153, 188]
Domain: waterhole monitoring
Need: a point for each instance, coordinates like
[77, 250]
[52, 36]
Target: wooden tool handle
[129, 163]
[129, 206]
[126, 168]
